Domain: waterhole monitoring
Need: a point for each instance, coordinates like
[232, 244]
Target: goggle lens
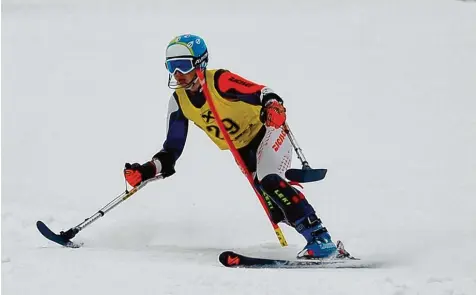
[183, 65]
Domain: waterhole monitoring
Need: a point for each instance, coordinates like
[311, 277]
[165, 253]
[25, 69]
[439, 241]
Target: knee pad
[271, 181]
[276, 185]
[291, 201]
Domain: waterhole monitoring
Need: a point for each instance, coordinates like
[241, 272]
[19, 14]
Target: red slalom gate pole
[236, 155]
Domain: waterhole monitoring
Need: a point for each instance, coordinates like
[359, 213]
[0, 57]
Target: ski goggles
[183, 65]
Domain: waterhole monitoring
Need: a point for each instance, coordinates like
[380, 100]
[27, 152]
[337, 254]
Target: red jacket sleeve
[228, 81]
[234, 87]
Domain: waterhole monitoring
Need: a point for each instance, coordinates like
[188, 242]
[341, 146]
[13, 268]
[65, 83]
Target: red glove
[136, 173]
[273, 114]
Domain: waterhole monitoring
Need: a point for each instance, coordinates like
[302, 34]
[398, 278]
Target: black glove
[136, 173]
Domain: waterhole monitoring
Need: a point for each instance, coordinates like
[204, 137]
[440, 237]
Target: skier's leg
[274, 156]
[248, 154]
[277, 215]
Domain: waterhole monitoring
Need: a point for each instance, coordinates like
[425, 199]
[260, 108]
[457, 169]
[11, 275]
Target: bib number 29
[230, 126]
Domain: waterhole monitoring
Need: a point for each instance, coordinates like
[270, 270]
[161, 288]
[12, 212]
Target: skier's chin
[183, 83]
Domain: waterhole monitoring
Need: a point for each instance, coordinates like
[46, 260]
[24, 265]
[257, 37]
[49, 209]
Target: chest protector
[241, 120]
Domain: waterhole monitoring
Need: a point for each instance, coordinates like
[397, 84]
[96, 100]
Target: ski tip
[41, 226]
[59, 239]
[229, 258]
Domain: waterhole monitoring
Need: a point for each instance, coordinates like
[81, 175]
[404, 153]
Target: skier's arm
[236, 88]
[164, 161]
[177, 129]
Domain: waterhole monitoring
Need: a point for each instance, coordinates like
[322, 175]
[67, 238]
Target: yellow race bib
[241, 120]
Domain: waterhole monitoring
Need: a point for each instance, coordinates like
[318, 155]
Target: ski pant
[268, 157]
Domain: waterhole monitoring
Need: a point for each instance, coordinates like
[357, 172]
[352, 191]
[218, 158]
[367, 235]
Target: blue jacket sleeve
[177, 129]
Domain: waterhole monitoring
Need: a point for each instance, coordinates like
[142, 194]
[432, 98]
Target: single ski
[235, 260]
[61, 239]
[343, 259]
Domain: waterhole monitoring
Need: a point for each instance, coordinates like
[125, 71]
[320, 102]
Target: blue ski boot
[319, 243]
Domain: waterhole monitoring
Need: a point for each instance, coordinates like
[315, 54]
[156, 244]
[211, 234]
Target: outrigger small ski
[64, 238]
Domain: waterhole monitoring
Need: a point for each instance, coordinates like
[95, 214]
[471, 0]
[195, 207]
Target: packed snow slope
[382, 93]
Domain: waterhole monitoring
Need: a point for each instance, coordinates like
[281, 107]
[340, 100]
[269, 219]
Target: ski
[235, 260]
[342, 260]
[61, 239]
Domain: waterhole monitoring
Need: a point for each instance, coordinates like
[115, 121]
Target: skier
[253, 116]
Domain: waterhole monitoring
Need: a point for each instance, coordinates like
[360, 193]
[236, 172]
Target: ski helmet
[185, 53]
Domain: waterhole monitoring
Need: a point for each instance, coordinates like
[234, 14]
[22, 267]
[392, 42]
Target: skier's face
[184, 79]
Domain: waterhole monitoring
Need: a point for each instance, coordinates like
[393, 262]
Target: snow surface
[382, 93]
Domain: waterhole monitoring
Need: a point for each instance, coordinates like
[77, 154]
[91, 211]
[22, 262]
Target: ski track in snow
[380, 93]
